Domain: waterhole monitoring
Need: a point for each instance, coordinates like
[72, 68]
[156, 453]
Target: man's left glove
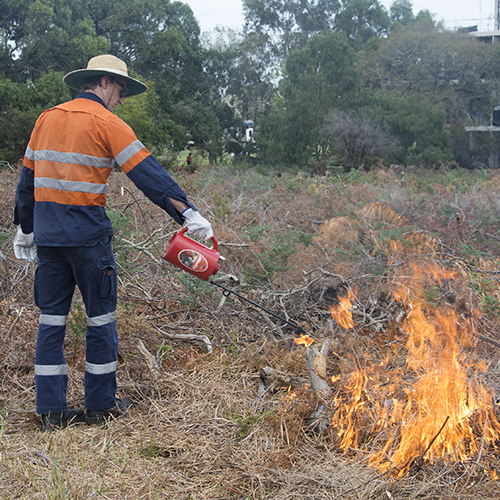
[197, 225]
[24, 246]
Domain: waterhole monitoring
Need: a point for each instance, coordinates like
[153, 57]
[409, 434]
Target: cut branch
[316, 366]
[187, 337]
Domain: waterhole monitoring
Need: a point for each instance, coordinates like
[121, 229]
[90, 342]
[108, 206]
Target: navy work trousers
[93, 270]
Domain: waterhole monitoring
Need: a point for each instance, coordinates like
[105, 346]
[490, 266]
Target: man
[60, 202]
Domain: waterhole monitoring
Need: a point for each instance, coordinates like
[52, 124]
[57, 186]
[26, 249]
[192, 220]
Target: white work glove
[197, 225]
[24, 246]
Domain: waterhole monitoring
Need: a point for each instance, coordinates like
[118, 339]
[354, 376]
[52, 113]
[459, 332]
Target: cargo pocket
[35, 289]
[108, 282]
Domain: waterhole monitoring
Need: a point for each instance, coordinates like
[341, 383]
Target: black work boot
[54, 421]
[121, 406]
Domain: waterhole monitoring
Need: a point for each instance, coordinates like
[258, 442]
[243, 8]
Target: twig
[233, 245]
[221, 325]
[418, 461]
[301, 289]
[348, 195]
[150, 237]
[14, 381]
[482, 440]
[14, 323]
[172, 313]
[142, 249]
[487, 339]
[4, 163]
[138, 206]
[138, 285]
[48, 461]
[152, 361]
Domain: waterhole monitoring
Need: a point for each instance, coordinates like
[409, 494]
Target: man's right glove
[197, 225]
[24, 246]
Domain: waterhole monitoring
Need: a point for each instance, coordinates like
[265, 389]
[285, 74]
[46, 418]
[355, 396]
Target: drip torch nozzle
[298, 330]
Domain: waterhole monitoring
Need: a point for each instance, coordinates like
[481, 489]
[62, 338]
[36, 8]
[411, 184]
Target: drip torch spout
[228, 291]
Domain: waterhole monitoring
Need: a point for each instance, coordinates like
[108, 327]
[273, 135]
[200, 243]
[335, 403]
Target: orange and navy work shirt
[62, 190]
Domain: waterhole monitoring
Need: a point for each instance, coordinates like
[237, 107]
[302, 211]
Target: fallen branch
[188, 337]
[316, 366]
[14, 323]
[152, 361]
[142, 249]
[233, 245]
[272, 380]
[487, 339]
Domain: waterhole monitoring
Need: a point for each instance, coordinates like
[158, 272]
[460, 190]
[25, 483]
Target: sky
[454, 13]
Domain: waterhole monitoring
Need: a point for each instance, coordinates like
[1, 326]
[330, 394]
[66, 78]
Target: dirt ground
[230, 413]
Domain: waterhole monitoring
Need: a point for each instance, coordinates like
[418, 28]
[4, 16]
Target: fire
[341, 312]
[303, 340]
[430, 406]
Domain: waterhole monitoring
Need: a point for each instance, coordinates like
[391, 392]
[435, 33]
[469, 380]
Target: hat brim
[76, 78]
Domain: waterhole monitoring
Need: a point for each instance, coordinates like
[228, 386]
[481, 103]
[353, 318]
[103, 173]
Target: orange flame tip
[303, 340]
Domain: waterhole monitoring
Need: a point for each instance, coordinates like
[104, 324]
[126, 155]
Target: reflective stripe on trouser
[93, 270]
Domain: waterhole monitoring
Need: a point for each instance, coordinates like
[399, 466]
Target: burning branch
[316, 366]
[341, 309]
[417, 462]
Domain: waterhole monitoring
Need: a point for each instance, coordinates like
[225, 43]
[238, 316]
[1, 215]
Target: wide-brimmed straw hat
[104, 65]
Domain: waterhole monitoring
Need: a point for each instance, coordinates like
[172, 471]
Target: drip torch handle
[215, 244]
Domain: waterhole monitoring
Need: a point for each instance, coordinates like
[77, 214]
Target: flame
[303, 340]
[493, 475]
[429, 407]
[341, 312]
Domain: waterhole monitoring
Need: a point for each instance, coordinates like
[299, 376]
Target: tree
[53, 40]
[362, 21]
[158, 39]
[417, 123]
[402, 12]
[289, 23]
[317, 78]
[20, 106]
[13, 21]
[239, 67]
[154, 129]
[358, 138]
[448, 70]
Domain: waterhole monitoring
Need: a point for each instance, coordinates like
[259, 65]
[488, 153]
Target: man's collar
[91, 96]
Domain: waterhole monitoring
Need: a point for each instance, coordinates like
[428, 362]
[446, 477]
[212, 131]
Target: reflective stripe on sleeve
[104, 319]
[128, 152]
[82, 187]
[30, 154]
[48, 370]
[53, 320]
[100, 369]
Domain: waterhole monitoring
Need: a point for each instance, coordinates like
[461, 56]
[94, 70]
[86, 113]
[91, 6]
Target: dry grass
[203, 427]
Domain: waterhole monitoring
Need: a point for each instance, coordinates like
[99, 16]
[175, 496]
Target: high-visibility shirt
[62, 190]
